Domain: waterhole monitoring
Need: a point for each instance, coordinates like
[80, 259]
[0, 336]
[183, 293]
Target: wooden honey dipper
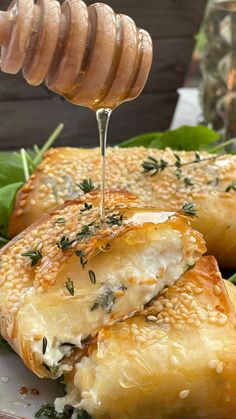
[90, 55]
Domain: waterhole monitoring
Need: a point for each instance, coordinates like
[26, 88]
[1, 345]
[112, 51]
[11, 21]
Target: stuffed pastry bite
[70, 274]
[176, 359]
[161, 178]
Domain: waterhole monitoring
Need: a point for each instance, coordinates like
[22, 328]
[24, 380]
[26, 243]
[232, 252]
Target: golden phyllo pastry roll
[161, 178]
[176, 359]
[70, 274]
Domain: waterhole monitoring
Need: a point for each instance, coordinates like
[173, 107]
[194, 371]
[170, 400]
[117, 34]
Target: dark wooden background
[29, 114]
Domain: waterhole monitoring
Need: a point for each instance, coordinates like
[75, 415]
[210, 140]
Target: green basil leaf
[7, 200]
[187, 138]
[11, 168]
[233, 279]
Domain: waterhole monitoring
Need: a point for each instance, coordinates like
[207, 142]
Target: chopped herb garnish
[60, 220]
[65, 243]
[70, 286]
[86, 186]
[189, 267]
[49, 411]
[197, 157]
[34, 255]
[45, 343]
[81, 255]
[115, 220]
[86, 207]
[105, 300]
[92, 276]
[86, 340]
[178, 173]
[231, 187]
[54, 369]
[86, 232]
[153, 165]
[190, 208]
[178, 163]
[188, 181]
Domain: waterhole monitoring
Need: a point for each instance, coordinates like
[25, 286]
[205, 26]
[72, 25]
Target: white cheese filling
[138, 266]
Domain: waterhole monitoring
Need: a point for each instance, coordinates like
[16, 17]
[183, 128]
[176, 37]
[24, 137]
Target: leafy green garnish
[184, 138]
[233, 279]
[34, 255]
[15, 169]
[86, 186]
[7, 201]
[49, 411]
[190, 208]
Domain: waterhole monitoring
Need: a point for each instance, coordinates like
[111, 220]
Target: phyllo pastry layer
[70, 274]
[165, 179]
[176, 359]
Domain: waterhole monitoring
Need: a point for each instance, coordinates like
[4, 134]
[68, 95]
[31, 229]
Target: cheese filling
[113, 285]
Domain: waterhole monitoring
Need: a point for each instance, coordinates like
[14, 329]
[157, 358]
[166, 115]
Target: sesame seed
[212, 364]
[220, 367]
[184, 394]
[217, 290]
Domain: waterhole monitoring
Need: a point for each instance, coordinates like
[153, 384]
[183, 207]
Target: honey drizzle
[103, 117]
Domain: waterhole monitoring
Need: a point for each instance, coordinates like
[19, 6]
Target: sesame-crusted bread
[177, 359]
[70, 274]
[172, 179]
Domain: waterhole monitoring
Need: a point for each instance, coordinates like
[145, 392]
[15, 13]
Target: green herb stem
[48, 143]
[25, 164]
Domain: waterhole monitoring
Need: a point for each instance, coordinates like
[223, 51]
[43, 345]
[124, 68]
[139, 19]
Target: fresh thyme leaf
[70, 286]
[197, 157]
[65, 243]
[86, 207]
[231, 187]
[105, 300]
[178, 163]
[233, 279]
[34, 255]
[60, 220]
[153, 165]
[188, 181]
[178, 173]
[86, 231]
[45, 343]
[81, 255]
[86, 185]
[189, 267]
[115, 220]
[190, 208]
[92, 276]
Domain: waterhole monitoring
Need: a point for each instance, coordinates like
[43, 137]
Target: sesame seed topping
[184, 394]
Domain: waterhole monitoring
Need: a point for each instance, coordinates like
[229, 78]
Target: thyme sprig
[231, 187]
[86, 231]
[45, 344]
[190, 208]
[65, 243]
[154, 166]
[34, 255]
[86, 185]
[86, 207]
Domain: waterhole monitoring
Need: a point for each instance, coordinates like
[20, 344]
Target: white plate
[14, 375]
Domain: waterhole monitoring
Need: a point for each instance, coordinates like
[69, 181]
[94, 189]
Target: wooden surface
[28, 114]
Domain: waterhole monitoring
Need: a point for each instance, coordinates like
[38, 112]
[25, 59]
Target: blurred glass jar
[218, 66]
